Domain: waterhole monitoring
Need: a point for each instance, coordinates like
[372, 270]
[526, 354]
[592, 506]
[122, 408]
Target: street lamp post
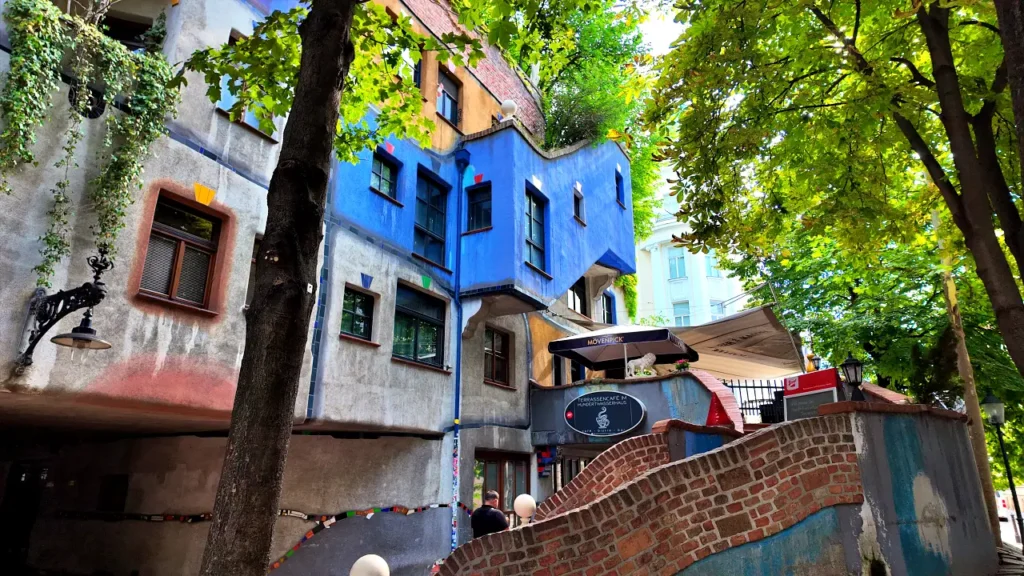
[996, 414]
[48, 310]
[853, 373]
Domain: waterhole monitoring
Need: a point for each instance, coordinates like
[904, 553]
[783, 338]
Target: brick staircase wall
[614, 467]
[681, 512]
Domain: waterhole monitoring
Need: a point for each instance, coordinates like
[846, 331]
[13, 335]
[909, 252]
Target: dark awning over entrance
[612, 347]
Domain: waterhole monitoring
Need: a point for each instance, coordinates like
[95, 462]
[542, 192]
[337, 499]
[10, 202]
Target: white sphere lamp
[508, 109]
[524, 506]
[370, 565]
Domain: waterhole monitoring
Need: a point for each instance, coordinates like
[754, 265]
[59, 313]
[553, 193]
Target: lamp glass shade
[82, 337]
[370, 565]
[508, 108]
[853, 370]
[993, 409]
[816, 360]
[524, 506]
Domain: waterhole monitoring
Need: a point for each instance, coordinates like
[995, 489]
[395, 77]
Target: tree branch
[931, 164]
[915, 74]
[793, 82]
[985, 25]
[856, 23]
[849, 46]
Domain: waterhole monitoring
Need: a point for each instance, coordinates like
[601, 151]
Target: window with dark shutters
[496, 357]
[448, 97]
[428, 237]
[182, 249]
[479, 197]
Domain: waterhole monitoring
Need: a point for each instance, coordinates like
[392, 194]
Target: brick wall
[614, 467]
[681, 512]
[493, 71]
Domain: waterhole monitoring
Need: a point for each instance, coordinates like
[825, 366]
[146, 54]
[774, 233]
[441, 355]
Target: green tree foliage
[841, 119]
[886, 307]
[43, 41]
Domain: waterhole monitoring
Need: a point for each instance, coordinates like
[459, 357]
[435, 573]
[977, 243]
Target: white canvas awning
[751, 344]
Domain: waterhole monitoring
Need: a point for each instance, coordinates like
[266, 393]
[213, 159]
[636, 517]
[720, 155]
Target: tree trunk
[972, 210]
[277, 321]
[1011, 29]
[976, 428]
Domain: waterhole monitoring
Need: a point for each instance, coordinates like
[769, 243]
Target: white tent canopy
[750, 344]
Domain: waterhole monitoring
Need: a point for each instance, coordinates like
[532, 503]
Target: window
[479, 207]
[681, 310]
[608, 303]
[182, 249]
[428, 239]
[506, 474]
[357, 314]
[384, 176]
[496, 354]
[717, 310]
[576, 371]
[447, 97]
[251, 289]
[577, 205]
[620, 189]
[419, 327]
[676, 263]
[227, 99]
[711, 264]
[113, 493]
[578, 297]
[534, 230]
[127, 32]
[417, 73]
[557, 371]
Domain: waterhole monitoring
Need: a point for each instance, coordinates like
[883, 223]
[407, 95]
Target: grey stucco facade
[371, 430]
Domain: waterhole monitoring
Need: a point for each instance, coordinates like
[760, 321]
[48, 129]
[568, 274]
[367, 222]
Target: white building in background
[684, 288]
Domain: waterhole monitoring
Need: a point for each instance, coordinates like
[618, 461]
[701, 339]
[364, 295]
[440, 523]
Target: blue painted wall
[812, 546]
[354, 203]
[511, 164]
[921, 482]
[496, 257]
[700, 443]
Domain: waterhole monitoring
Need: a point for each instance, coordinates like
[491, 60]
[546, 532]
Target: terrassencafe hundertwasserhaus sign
[803, 394]
[605, 413]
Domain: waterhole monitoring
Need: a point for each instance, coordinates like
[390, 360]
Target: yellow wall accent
[204, 194]
[541, 333]
[478, 106]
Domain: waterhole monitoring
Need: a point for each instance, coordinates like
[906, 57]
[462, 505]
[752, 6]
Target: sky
[660, 31]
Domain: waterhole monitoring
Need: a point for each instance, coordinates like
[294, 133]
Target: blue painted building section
[812, 546]
[679, 397]
[905, 463]
[697, 443]
[513, 166]
[922, 486]
[495, 259]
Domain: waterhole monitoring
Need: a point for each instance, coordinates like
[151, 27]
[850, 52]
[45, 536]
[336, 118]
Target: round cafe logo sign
[604, 413]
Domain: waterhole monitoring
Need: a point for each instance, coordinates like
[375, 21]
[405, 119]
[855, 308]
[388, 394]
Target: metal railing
[759, 400]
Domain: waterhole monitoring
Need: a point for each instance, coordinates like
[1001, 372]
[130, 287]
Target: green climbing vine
[41, 35]
[627, 283]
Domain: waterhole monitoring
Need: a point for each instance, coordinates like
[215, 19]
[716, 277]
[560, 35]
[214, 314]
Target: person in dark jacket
[488, 519]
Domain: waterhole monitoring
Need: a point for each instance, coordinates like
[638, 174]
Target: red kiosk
[804, 393]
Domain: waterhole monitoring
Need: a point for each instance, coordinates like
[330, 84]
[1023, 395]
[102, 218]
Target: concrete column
[700, 303]
[659, 284]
